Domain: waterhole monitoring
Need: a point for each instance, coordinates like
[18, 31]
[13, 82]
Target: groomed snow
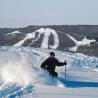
[83, 42]
[12, 33]
[46, 32]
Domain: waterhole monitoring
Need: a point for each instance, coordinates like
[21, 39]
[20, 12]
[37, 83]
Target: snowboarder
[50, 64]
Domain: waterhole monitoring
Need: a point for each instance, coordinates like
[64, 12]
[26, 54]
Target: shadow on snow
[75, 84]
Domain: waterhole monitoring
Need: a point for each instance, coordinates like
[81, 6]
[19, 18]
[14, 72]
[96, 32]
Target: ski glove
[65, 63]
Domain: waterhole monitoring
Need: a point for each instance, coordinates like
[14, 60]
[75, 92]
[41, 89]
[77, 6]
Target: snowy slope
[12, 33]
[21, 76]
[62, 38]
[83, 42]
[74, 38]
[45, 42]
[46, 32]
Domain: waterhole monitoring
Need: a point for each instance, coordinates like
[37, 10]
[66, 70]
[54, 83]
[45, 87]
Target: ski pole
[65, 68]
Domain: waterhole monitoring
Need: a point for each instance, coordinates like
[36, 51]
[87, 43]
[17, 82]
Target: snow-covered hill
[80, 38]
[46, 32]
[21, 76]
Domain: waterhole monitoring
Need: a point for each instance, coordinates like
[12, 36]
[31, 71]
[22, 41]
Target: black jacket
[51, 63]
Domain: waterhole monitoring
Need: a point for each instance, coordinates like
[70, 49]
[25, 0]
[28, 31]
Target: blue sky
[20, 13]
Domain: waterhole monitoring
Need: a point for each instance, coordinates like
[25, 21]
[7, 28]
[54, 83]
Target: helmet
[52, 54]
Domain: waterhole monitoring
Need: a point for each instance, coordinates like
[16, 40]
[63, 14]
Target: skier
[50, 64]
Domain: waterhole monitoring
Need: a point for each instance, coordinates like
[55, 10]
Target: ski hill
[69, 38]
[22, 77]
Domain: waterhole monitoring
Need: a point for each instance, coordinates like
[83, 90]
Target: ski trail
[56, 40]
[28, 36]
[84, 41]
[36, 39]
[45, 42]
[12, 33]
[72, 38]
